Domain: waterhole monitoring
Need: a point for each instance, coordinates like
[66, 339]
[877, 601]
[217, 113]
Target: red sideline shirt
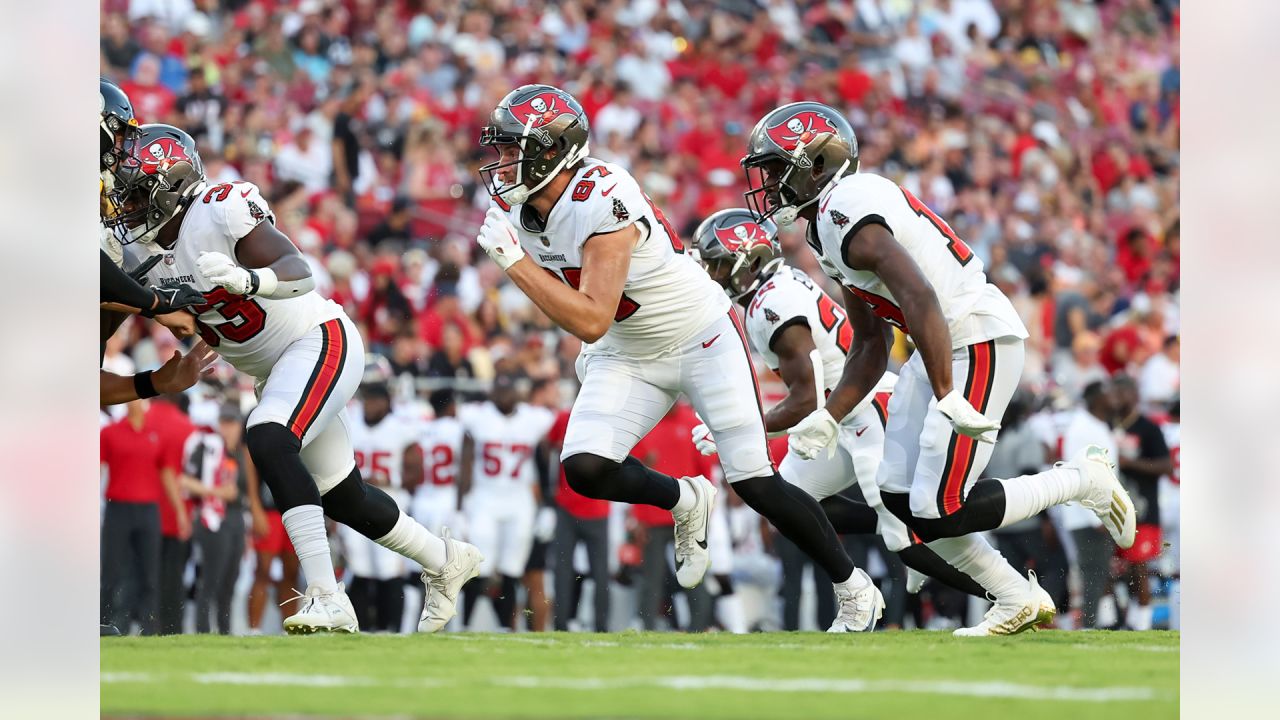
[669, 449]
[173, 427]
[574, 503]
[133, 459]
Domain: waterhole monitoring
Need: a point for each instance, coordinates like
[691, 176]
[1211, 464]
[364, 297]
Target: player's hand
[172, 298]
[544, 525]
[182, 371]
[222, 270]
[702, 439]
[181, 323]
[814, 433]
[966, 420]
[498, 238]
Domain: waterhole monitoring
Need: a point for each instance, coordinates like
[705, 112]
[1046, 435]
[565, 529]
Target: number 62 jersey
[975, 310]
[251, 333]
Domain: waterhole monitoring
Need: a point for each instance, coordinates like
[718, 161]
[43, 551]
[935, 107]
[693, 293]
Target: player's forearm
[577, 313]
[863, 368]
[932, 337]
[290, 276]
[115, 389]
[118, 287]
[799, 402]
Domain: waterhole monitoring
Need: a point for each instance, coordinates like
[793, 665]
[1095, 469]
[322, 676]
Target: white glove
[222, 270]
[812, 434]
[703, 441]
[544, 525]
[498, 238]
[966, 420]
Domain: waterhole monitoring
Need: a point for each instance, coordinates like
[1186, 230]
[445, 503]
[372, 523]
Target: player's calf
[628, 481]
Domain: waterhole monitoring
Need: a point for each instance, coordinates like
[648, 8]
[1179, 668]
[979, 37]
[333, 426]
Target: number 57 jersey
[251, 333]
[975, 310]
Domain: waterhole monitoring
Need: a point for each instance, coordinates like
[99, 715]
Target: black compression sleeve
[118, 287]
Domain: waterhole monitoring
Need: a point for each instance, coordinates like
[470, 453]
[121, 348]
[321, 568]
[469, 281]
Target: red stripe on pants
[977, 391]
[330, 367]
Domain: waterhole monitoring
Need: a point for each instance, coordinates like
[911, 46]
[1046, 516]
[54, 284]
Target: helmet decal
[802, 128]
[161, 155]
[742, 235]
[541, 109]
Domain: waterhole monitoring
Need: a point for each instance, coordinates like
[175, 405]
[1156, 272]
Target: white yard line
[678, 683]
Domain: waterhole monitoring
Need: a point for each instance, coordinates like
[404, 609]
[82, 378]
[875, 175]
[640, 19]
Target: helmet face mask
[116, 125]
[794, 153]
[159, 174]
[737, 251]
[550, 132]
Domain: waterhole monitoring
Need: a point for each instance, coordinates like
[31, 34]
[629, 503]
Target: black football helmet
[738, 251]
[117, 124]
[159, 174]
[792, 155]
[551, 130]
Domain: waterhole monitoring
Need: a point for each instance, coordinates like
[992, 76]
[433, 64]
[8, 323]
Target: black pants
[658, 583]
[793, 563]
[221, 552]
[173, 596]
[131, 565]
[1094, 549]
[595, 535]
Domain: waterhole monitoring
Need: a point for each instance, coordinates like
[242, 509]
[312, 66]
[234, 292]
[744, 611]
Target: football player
[792, 323]
[389, 457]
[594, 253]
[498, 489]
[121, 290]
[900, 265]
[261, 315]
[435, 503]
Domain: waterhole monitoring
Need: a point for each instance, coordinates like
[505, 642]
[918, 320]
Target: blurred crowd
[1045, 131]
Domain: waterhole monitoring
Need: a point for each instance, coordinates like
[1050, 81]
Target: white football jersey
[975, 310]
[250, 332]
[380, 448]
[790, 296]
[504, 444]
[441, 441]
[667, 298]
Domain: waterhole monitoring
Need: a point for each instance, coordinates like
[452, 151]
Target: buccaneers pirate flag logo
[541, 109]
[744, 234]
[800, 129]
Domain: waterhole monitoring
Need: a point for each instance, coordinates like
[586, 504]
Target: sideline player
[498, 490]
[590, 249]
[389, 457]
[789, 319]
[902, 265]
[435, 503]
[307, 356]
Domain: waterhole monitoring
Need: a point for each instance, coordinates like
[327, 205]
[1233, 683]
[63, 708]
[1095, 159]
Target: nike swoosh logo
[245, 194]
[605, 193]
[858, 433]
[702, 544]
[708, 343]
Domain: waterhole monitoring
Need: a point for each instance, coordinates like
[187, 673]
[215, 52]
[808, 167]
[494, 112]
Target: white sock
[974, 556]
[856, 580]
[415, 542]
[1028, 495]
[305, 527]
[687, 498]
[732, 615]
[1138, 617]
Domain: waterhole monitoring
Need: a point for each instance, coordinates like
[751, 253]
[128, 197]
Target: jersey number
[218, 193]
[676, 245]
[491, 454]
[883, 308]
[374, 466]
[245, 317]
[831, 316]
[626, 306]
[442, 471]
[583, 189]
[957, 247]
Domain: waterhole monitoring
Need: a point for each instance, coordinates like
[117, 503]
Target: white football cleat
[915, 581]
[322, 612]
[1026, 610]
[461, 563]
[857, 610]
[1105, 496]
[692, 558]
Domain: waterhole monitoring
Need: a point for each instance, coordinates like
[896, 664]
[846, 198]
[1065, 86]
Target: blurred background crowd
[1045, 131]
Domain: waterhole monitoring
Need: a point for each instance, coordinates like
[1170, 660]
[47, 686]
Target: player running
[803, 335]
[307, 356]
[899, 264]
[585, 243]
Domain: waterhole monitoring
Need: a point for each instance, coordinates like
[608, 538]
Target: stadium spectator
[224, 475]
[579, 521]
[168, 414]
[1090, 425]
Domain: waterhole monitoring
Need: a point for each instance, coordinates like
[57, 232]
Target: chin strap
[787, 214]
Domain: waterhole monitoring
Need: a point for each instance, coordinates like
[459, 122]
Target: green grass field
[639, 675]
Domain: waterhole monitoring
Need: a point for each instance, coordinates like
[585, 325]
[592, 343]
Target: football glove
[172, 298]
[702, 439]
[498, 238]
[966, 420]
[222, 270]
[140, 273]
[809, 436]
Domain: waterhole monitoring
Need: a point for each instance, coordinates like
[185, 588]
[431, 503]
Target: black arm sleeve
[118, 287]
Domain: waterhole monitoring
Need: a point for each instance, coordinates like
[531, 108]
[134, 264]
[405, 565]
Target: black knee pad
[983, 510]
[589, 474]
[900, 505]
[363, 508]
[275, 452]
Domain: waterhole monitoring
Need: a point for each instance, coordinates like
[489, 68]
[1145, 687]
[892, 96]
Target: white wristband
[266, 281]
